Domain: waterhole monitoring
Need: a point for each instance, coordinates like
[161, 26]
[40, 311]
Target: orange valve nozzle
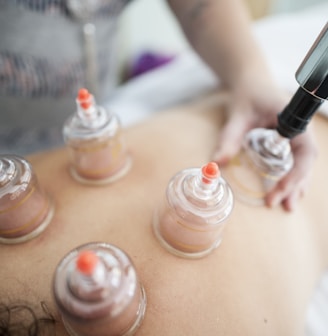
[84, 97]
[210, 171]
[86, 262]
[83, 94]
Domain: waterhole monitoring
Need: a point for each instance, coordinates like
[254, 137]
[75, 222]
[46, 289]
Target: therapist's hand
[256, 103]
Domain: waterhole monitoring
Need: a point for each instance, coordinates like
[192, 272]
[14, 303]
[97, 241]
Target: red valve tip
[84, 98]
[211, 170]
[86, 262]
[83, 94]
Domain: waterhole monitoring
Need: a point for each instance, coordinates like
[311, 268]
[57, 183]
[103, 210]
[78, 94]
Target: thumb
[230, 138]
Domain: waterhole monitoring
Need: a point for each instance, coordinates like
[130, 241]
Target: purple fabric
[147, 61]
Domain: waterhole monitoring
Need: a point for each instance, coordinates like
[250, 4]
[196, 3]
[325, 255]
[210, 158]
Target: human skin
[221, 33]
[258, 282]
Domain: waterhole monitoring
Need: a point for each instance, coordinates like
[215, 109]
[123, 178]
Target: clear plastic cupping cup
[190, 220]
[98, 292]
[265, 158]
[97, 146]
[25, 208]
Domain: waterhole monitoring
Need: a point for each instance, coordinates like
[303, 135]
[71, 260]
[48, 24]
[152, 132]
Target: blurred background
[149, 26]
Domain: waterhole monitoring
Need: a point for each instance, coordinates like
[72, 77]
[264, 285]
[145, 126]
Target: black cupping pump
[312, 76]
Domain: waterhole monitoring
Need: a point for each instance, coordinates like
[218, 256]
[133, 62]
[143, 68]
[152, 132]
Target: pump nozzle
[84, 98]
[86, 262]
[210, 172]
[312, 75]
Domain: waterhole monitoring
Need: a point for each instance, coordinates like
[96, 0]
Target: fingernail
[291, 204]
[274, 201]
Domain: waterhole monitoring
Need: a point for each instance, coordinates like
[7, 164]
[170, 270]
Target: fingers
[290, 202]
[247, 110]
[230, 138]
[287, 192]
[294, 185]
[243, 115]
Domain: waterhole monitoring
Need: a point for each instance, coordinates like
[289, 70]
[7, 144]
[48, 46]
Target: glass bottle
[25, 209]
[97, 147]
[190, 220]
[98, 293]
[265, 158]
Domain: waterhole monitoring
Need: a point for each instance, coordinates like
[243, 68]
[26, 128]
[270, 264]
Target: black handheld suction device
[312, 75]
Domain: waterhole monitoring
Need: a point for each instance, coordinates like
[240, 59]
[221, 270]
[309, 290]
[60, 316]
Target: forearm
[220, 31]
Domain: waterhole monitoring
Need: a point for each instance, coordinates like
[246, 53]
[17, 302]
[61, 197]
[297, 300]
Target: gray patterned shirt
[42, 66]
